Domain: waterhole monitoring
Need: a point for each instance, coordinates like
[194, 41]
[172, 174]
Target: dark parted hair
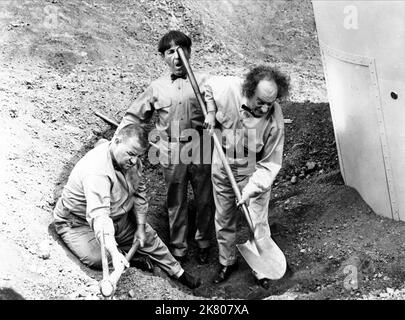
[254, 76]
[175, 36]
[135, 130]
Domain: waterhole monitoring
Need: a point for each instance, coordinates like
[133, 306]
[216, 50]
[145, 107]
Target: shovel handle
[217, 144]
[193, 81]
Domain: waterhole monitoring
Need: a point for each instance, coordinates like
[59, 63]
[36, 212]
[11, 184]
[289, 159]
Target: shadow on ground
[10, 294]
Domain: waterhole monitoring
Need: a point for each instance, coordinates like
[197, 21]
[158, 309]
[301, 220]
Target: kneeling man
[104, 195]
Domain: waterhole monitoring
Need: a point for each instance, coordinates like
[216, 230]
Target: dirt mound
[61, 61]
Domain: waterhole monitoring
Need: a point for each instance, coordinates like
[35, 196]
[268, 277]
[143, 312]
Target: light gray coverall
[258, 145]
[178, 111]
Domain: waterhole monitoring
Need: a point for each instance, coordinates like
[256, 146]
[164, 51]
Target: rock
[83, 293]
[297, 145]
[43, 250]
[310, 165]
[32, 250]
[131, 293]
[294, 180]
[29, 84]
[58, 86]
[13, 113]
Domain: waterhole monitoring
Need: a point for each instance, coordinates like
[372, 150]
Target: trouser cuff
[178, 273]
[179, 252]
[203, 244]
[227, 262]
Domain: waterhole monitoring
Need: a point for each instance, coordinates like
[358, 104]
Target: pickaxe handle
[106, 119]
[109, 282]
[217, 144]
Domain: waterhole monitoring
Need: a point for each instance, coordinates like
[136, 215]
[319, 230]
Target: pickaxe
[108, 284]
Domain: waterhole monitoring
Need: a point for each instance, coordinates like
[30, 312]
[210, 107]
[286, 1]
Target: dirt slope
[62, 60]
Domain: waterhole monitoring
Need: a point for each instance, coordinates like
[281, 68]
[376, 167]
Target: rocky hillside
[62, 60]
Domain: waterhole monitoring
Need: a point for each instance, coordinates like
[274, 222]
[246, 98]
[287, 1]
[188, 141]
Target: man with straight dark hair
[171, 96]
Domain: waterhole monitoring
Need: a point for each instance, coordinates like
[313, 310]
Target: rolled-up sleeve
[268, 167]
[140, 207]
[209, 96]
[97, 192]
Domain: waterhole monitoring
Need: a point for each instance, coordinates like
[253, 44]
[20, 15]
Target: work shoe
[189, 281]
[202, 255]
[144, 263]
[224, 272]
[181, 259]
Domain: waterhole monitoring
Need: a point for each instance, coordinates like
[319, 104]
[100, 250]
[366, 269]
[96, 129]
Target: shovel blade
[264, 257]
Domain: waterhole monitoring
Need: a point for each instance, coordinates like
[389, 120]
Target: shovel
[262, 255]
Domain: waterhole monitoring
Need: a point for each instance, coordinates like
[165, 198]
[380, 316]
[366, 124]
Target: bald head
[254, 76]
[263, 98]
[263, 85]
[266, 90]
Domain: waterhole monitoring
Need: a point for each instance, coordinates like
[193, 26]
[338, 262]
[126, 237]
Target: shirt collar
[113, 162]
[245, 110]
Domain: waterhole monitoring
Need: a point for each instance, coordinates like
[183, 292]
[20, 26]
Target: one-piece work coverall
[254, 149]
[179, 117]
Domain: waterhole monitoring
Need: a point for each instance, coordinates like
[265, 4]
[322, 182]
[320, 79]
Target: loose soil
[63, 60]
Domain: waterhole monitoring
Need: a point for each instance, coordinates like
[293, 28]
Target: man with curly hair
[252, 129]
